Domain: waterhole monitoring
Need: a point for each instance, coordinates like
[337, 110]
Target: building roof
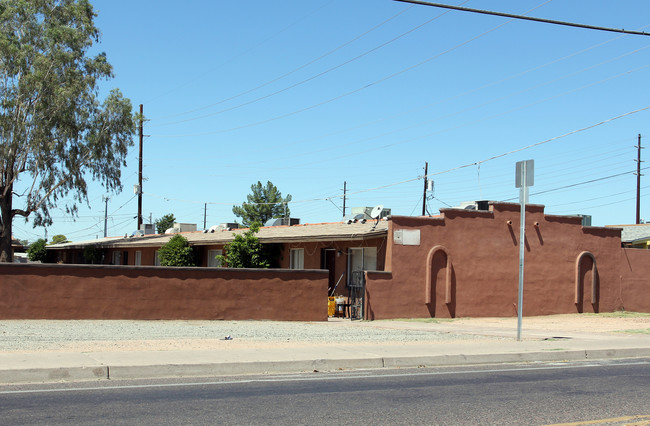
[337, 231]
[633, 233]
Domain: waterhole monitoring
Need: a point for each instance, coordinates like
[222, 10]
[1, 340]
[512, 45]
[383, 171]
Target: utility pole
[140, 171]
[345, 188]
[205, 214]
[638, 182]
[105, 199]
[424, 194]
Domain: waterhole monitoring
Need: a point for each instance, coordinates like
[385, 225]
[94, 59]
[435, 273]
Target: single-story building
[460, 263]
[339, 247]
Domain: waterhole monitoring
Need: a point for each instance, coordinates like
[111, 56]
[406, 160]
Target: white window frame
[117, 257]
[213, 262]
[297, 258]
[138, 258]
[156, 258]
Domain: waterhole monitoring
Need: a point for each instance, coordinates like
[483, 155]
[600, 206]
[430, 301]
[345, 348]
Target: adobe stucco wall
[633, 293]
[123, 292]
[467, 265]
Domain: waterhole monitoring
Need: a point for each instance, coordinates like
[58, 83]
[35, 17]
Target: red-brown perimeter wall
[484, 252]
[123, 292]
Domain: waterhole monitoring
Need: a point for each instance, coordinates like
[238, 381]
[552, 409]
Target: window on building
[117, 258]
[362, 259]
[213, 262]
[297, 259]
[156, 259]
[138, 258]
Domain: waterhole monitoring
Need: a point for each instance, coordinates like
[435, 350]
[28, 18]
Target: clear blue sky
[312, 94]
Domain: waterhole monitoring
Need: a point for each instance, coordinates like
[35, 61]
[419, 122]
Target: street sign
[529, 176]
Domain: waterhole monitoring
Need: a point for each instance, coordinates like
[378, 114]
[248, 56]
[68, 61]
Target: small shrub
[177, 252]
[36, 251]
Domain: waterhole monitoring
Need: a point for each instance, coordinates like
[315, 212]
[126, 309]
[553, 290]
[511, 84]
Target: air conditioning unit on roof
[147, 228]
[280, 221]
[185, 227]
[474, 205]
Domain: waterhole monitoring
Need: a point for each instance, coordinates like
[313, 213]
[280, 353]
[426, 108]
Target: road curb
[53, 375]
[124, 372]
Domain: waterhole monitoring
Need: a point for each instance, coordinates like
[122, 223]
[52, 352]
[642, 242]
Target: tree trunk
[6, 254]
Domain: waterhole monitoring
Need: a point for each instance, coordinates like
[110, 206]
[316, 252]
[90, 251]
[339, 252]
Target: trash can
[331, 306]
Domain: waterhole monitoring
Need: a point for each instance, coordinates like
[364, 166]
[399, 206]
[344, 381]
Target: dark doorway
[328, 261]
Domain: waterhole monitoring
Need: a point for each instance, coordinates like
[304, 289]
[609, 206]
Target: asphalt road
[517, 395]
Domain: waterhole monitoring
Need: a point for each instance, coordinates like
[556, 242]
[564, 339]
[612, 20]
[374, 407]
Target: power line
[408, 112]
[336, 49]
[341, 96]
[476, 163]
[526, 18]
[578, 184]
[609, 120]
[241, 54]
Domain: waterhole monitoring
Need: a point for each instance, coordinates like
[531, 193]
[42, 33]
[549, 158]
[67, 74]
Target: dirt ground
[595, 323]
[93, 336]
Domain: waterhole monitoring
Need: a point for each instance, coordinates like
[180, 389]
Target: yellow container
[331, 306]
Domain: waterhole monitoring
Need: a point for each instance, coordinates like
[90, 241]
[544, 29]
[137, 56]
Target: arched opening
[439, 270]
[586, 271]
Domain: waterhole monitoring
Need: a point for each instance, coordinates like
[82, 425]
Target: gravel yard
[95, 335]
[123, 335]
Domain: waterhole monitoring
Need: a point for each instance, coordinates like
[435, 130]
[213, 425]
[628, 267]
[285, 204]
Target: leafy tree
[58, 239]
[177, 252]
[164, 223]
[264, 203]
[56, 132]
[36, 251]
[245, 251]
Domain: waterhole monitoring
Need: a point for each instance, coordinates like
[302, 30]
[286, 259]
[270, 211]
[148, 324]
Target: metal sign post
[524, 179]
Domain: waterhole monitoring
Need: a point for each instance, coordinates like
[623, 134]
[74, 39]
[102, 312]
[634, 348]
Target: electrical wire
[526, 18]
[346, 94]
[448, 99]
[210, 71]
[293, 71]
[389, 185]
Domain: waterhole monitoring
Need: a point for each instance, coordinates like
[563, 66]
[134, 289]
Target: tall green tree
[164, 223]
[265, 202]
[56, 133]
[245, 251]
[59, 238]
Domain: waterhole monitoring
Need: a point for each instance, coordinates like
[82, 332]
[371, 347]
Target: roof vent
[361, 217]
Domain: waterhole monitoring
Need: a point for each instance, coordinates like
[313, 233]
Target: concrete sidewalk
[484, 341]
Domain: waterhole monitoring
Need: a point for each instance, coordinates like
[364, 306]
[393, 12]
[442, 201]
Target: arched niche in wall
[437, 260]
[582, 268]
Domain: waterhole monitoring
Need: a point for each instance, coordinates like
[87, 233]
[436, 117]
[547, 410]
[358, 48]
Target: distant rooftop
[632, 233]
[335, 231]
